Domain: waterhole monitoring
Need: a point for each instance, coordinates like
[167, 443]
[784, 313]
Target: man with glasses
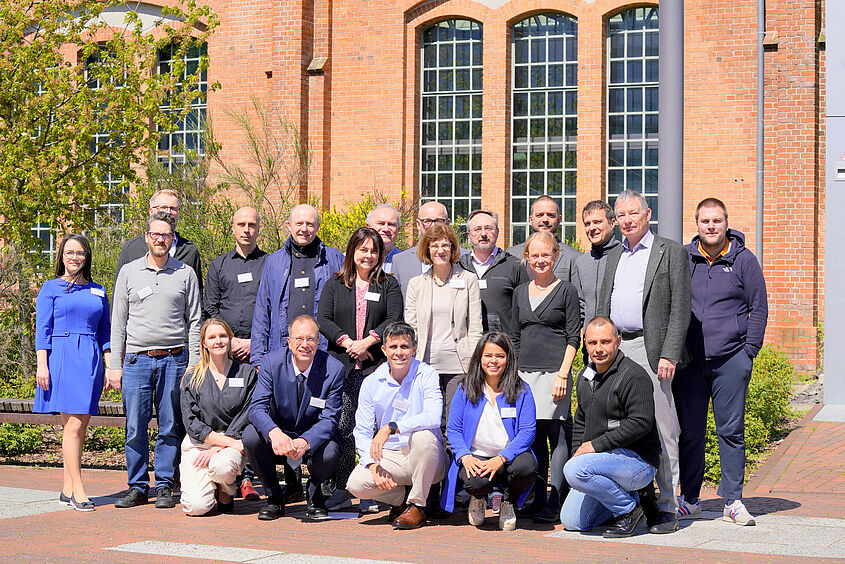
[499, 272]
[164, 201]
[155, 337]
[406, 265]
[294, 417]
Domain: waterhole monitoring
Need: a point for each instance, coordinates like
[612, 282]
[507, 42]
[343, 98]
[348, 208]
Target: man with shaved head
[291, 282]
[406, 265]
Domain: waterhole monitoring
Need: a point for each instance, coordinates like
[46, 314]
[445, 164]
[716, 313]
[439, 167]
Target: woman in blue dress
[72, 334]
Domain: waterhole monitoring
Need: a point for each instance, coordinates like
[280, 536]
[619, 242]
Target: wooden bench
[14, 410]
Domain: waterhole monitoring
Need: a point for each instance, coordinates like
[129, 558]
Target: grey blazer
[466, 312]
[666, 299]
[565, 265]
[406, 265]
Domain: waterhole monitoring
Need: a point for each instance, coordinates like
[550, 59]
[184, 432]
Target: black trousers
[321, 462]
[514, 477]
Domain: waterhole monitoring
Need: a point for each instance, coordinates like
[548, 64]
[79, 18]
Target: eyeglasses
[300, 340]
[163, 236]
[166, 208]
[428, 222]
[77, 254]
[481, 228]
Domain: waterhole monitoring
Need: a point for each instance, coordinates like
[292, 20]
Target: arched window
[545, 122]
[632, 104]
[450, 131]
[188, 134]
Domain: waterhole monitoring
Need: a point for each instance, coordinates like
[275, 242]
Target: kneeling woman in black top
[215, 404]
[490, 430]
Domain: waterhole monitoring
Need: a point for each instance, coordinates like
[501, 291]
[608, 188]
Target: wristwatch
[394, 428]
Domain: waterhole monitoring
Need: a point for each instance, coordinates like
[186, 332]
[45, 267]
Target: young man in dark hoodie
[729, 312]
[599, 224]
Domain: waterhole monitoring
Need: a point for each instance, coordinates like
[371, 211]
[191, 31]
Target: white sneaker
[507, 517]
[496, 502]
[687, 510]
[476, 511]
[737, 513]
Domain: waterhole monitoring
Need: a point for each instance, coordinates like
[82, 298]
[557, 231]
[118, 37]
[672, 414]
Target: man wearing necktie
[294, 417]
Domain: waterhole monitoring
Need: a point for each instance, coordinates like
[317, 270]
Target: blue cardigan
[463, 423]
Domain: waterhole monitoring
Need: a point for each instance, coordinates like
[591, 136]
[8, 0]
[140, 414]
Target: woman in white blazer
[443, 305]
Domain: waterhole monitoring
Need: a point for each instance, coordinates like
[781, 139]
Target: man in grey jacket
[646, 291]
[545, 216]
[599, 223]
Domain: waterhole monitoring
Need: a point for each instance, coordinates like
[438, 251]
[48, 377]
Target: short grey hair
[627, 196]
[158, 193]
[492, 214]
[385, 206]
[297, 206]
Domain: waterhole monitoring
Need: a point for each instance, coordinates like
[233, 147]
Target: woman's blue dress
[72, 324]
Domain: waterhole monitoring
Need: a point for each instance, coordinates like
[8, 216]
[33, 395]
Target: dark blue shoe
[82, 505]
[63, 499]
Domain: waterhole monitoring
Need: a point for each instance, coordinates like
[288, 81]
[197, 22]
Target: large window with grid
[450, 131]
[545, 122]
[632, 108]
[45, 237]
[188, 133]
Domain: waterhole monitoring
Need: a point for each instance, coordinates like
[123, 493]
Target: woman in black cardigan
[355, 307]
[547, 324]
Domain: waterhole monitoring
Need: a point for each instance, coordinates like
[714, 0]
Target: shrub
[766, 411]
[337, 226]
[16, 438]
[105, 438]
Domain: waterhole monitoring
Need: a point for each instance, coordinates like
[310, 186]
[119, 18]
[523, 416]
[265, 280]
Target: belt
[162, 352]
[630, 335]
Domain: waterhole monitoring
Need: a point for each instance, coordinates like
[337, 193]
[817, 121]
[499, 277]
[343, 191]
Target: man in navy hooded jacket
[728, 322]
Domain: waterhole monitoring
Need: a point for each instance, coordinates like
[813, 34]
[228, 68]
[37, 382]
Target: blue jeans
[151, 381]
[603, 485]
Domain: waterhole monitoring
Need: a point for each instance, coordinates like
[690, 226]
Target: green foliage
[16, 385]
[69, 121]
[105, 438]
[19, 439]
[337, 226]
[766, 410]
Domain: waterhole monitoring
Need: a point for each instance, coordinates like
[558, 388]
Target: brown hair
[348, 272]
[434, 233]
[711, 203]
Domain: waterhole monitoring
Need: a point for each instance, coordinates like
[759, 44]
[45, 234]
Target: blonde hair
[542, 237]
[197, 376]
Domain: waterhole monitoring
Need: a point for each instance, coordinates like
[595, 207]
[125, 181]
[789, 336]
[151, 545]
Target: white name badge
[425, 268]
[482, 284]
[372, 296]
[144, 292]
[319, 403]
[388, 268]
[400, 405]
[98, 292]
[300, 283]
[236, 382]
[457, 283]
[244, 277]
[508, 412]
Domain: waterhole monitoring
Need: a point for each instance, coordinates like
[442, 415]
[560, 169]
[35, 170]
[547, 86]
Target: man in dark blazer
[183, 250]
[545, 216]
[294, 417]
[645, 290]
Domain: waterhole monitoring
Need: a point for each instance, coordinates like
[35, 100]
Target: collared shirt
[224, 410]
[388, 260]
[305, 372]
[414, 405]
[230, 289]
[481, 267]
[302, 280]
[155, 309]
[725, 250]
[626, 300]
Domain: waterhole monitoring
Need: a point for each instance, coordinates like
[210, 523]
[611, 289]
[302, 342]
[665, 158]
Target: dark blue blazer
[274, 399]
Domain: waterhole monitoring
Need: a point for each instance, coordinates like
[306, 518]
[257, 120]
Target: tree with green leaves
[83, 99]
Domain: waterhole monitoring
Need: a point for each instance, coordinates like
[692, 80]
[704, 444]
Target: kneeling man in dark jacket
[615, 440]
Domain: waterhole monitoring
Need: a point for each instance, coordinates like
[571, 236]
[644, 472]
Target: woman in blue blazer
[491, 428]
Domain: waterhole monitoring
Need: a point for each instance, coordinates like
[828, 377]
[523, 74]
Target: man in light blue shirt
[402, 397]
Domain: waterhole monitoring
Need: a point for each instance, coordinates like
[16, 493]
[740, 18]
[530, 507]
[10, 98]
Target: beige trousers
[422, 463]
[199, 484]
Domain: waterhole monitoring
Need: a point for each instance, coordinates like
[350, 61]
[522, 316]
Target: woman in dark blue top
[72, 332]
[491, 428]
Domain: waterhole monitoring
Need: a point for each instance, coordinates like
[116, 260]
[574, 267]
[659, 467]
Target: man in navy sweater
[729, 312]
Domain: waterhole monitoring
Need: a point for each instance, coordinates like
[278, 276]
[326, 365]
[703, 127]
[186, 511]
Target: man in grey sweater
[155, 338]
[599, 223]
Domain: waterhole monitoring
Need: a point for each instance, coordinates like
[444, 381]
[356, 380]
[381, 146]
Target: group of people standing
[443, 369]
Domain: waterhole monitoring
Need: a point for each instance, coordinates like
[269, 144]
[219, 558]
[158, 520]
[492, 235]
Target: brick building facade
[363, 109]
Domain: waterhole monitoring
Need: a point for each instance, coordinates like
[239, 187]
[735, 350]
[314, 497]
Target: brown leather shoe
[412, 518]
[396, 511]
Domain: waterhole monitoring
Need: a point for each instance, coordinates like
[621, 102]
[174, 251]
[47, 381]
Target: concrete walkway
[798, 496]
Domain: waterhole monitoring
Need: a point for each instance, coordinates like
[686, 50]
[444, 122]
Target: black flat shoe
[273, 509]
[226, 507]
[63, 499]
[668, 523]
[626, 524]
[82, 505]
[132, 498]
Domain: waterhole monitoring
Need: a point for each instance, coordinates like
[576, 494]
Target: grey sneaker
[687, 510]
[507, 517]
[737, 513]
[476, 511]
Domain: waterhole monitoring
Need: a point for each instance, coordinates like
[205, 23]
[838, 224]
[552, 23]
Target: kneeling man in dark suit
[294, 414]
